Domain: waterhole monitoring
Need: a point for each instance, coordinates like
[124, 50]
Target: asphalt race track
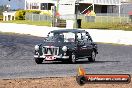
[16, 59]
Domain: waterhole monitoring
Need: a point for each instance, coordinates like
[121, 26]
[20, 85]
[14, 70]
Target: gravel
[55, 82]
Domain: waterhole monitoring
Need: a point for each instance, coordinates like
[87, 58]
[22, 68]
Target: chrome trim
[37, 56]
[63, 57]
[50, 50]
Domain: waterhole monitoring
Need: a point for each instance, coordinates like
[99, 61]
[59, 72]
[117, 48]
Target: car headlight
[36, 47]
[64, 48]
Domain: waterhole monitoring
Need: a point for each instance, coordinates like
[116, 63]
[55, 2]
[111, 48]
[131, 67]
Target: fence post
[127, 20]
[95, 20]
[113, 18]
[46, 18]
[32, 17]
[39, 17]
[120, 19]
[124, 18]
[107, 18]
[101, 19]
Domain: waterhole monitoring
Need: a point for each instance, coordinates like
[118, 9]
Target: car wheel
[38, 60]
[73, 58]
[92, 58]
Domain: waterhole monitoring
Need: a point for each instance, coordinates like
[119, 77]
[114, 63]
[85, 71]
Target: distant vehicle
[66, 45]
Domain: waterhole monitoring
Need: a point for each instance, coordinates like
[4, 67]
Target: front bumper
[55, 57]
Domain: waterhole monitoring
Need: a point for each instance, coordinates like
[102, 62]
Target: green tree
[1, 10]
[20, 14]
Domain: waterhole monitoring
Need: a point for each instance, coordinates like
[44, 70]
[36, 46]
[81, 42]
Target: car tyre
[73, 58]
[38, 60]
[92, 58]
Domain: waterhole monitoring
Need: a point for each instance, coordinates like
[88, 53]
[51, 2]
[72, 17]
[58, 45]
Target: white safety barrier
[111, 36]
[106, 36]
[41, 31]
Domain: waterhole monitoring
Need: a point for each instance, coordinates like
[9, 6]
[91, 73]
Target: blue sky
[15, 4]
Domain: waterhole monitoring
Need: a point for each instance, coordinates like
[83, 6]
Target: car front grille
[50, 50]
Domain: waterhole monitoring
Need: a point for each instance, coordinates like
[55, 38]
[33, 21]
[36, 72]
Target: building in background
[9, 15]
[126, 6]
[69, 7]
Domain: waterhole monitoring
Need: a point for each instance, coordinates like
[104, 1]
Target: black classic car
[66, 45]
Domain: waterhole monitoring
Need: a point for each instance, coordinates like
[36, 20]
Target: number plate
[50, 58]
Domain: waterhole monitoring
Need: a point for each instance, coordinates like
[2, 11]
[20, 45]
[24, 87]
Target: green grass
[111, 19]
[37, 23]
[107, 22]
[110, 26]
[1, 17]
[85, 25]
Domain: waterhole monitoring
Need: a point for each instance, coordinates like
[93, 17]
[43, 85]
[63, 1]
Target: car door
[88, 44]
[81, 49]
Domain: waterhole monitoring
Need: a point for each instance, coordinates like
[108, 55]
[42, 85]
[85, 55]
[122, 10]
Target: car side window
[86, 38]
[89, 39]
[79, 37]
[83, 35]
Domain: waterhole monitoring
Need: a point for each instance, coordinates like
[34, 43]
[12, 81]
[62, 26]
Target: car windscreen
[61, 37]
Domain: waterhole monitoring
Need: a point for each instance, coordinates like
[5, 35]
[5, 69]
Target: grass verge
[110, 26]
[84, 25]
[37, 23]
[1, 18]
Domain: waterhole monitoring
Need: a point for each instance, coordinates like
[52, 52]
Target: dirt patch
[64, 82]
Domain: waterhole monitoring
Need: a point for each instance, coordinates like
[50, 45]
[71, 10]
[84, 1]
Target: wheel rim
[73, 58]
[93, 55]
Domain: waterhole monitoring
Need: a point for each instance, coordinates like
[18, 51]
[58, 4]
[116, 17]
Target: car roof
[67, 30]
